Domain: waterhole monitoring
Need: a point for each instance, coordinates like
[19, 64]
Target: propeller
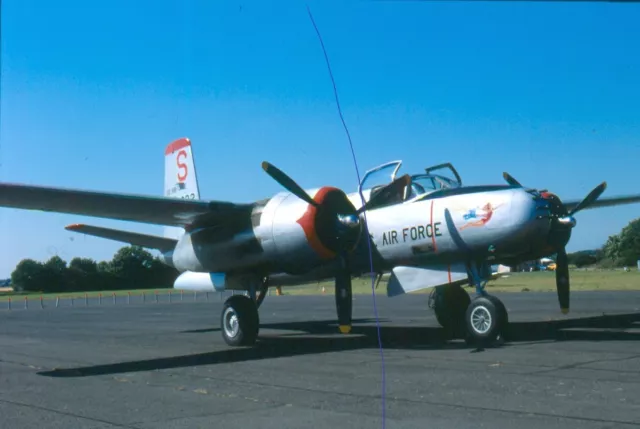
[510, 180]
[562, 221]
[338, 227]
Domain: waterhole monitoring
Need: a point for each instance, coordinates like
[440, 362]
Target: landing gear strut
[239, 320]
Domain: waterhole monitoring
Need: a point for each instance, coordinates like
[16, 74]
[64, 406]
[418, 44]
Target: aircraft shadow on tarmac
[321, 337]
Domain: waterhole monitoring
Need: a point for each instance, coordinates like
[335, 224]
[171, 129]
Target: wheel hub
[481, 320]
[230, 319]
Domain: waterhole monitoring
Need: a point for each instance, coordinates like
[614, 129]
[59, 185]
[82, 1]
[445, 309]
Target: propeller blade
[387, 191]
[510, 180]
[562, 280]
[287, 183]
[590, 199]
[343, 295]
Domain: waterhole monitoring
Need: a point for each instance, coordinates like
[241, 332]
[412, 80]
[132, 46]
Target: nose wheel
[480, 321]
[486, 320]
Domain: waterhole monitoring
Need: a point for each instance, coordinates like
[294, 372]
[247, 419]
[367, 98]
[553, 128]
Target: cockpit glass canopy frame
[421, 186]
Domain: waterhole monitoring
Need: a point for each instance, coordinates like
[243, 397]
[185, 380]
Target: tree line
[620, 250]
[131, 267]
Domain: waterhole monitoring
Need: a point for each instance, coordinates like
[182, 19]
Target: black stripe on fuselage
[449, 192]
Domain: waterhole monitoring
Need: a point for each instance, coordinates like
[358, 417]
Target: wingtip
[265, 165]
[74, 226]
[564, 310]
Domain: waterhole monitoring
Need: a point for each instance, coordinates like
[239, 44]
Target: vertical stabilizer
[180, 179]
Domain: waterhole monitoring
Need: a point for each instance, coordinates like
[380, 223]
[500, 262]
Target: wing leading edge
[127, 207]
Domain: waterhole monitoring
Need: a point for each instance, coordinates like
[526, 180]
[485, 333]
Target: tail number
[182, 166]
[190, 196]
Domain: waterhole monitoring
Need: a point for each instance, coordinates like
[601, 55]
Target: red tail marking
[181, 165]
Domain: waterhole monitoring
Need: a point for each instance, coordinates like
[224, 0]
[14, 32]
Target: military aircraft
[425, 230]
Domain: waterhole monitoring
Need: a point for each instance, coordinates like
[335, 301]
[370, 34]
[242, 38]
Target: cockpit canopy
[421, 184]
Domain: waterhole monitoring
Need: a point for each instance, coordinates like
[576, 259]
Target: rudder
[180, 180]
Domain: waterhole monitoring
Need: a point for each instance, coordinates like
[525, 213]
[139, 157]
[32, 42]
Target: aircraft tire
[484, 319]
[450, 305]
[239, 321]
[504, 316]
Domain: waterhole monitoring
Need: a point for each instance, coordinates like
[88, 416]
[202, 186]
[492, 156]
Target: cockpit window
[424, 184]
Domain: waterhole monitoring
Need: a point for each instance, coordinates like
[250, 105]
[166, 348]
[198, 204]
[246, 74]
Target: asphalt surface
[164, 365]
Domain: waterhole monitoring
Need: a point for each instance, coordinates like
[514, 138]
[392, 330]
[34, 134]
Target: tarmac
[164, 365]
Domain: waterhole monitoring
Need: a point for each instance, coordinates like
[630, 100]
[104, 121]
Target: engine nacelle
[283, 234]
[291, 235]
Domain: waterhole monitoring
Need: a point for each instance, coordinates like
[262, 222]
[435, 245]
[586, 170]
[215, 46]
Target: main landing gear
[480, 321]
[239, 320]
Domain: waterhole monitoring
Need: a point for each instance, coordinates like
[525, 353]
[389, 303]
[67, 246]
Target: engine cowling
[302, 236]
[283, 234]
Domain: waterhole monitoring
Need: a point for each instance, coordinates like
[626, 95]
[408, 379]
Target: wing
[134, 238]
[127, 207]
[605, 202]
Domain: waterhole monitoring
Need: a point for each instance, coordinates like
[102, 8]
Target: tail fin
[180, 180]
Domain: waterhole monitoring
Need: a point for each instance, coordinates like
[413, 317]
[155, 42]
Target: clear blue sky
[93, 91]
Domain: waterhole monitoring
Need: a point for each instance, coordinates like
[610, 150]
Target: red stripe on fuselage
[433, 235]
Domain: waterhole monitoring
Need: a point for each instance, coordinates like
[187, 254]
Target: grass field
[540, 281]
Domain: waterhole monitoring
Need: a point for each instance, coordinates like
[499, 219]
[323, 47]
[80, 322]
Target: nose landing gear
[479, 321]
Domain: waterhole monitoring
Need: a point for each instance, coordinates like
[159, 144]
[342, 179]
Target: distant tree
[624, 248]
[611, 248]
[85, 265]
[83, 275]
[584, 259]
[132, 266]
[54, 275]
[27, 275]
[629, 251]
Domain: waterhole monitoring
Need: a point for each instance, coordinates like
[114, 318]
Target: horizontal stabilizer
[144, 240]
[128, 207]
[411, 279]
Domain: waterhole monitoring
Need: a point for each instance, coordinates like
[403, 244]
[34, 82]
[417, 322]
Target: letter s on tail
[180, 180]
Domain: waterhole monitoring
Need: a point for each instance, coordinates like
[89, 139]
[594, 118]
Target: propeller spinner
[562, 222]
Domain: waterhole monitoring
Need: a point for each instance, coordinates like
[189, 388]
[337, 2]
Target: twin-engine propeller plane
[426, 230]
